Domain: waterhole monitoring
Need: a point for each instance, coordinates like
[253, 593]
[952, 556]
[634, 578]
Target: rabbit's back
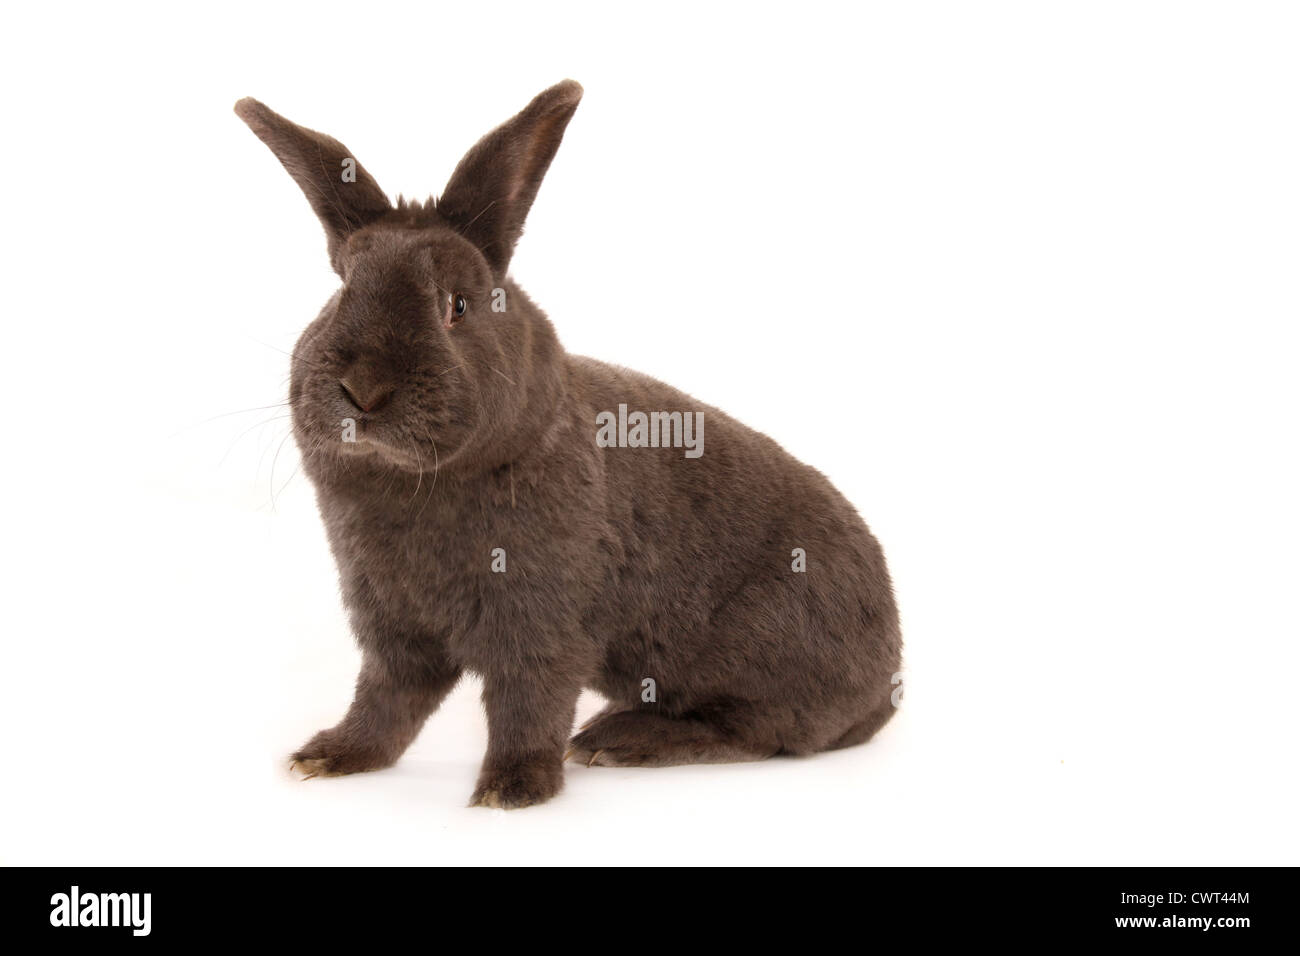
[738, 578]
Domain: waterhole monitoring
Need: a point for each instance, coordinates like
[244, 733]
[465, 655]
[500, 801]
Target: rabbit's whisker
[419, 463]
[432, 484]
[273, 462]
[261, 424]
[242, 411]
[504, 375]
[481, 212]
[296, 468]
[293, 355]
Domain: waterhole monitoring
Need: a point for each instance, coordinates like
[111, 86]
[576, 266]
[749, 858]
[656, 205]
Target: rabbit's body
[479, 526]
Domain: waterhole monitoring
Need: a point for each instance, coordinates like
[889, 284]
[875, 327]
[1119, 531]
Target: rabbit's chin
[382, 453]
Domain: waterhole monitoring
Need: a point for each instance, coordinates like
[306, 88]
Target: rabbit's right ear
[342, 193]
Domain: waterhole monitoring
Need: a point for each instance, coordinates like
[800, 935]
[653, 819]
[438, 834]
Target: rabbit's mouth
[338, 441]
[369, 445]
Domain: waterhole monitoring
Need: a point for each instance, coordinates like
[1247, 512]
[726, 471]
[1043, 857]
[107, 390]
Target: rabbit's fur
[478, 525]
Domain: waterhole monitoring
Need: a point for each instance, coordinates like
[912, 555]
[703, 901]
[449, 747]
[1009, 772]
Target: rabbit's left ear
[493, 187]
[342, 194]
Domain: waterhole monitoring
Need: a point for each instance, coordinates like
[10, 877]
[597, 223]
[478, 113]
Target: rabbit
[725, 599]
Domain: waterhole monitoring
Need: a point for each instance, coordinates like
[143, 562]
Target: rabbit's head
[424, 355]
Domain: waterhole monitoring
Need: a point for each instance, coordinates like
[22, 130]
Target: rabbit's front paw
[328, 754]
[518, 785]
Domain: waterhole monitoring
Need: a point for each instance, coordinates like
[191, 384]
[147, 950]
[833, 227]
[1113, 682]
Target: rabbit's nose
[365, 395]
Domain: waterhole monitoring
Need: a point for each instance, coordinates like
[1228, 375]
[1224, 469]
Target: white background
[1020, 278]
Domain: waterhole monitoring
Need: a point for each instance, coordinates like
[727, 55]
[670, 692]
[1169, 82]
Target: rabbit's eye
[456, 308]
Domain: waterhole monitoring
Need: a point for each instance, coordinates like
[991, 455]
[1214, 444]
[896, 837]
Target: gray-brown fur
[621, 563]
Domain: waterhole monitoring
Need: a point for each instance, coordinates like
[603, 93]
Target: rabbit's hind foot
[634, 738]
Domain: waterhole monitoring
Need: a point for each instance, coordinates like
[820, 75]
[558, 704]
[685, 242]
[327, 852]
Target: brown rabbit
[550, 522]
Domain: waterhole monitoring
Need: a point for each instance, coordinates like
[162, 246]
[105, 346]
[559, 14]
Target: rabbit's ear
[492, 189]
[342, 193]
